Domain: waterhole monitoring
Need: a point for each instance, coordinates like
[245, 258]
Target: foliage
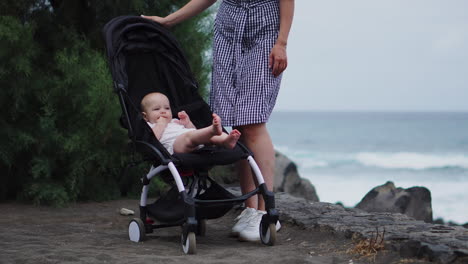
[17, 52]
[60, 139]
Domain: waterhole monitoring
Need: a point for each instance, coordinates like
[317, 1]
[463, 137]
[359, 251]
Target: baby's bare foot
[217, 128]
[232, 139]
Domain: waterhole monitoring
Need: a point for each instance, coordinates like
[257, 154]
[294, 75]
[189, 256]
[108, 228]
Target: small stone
[125, 211]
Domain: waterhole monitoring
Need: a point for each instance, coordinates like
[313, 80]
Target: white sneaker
[242, 220]
[251, 232]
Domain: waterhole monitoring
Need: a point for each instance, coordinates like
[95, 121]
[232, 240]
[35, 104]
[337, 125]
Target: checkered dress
[244, 89]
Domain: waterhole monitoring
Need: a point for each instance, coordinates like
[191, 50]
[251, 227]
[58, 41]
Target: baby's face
[155, 107]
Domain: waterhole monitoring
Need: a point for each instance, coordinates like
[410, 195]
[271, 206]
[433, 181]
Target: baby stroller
[144, 57]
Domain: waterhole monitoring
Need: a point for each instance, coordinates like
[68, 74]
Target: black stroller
[144, 57]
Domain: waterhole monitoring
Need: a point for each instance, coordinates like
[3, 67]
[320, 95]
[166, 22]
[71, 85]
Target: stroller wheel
[136, 230]
[267, 233]
[201, 227]
[189, 246]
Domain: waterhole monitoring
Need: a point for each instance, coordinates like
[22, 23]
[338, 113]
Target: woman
[249, 55]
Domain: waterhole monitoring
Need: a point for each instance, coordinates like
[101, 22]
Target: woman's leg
[257, 139]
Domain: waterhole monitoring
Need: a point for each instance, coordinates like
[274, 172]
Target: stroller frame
[191, 226]
[197, 205]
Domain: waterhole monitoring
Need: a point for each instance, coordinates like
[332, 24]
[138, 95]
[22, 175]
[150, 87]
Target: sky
[385, 55]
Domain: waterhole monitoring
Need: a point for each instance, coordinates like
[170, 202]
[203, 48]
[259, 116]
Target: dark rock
[410, 249]
[404, 234]
[287, 180]
[437, 253]
[450, 223]
[225, 174]
[441, 221]
[414, 202]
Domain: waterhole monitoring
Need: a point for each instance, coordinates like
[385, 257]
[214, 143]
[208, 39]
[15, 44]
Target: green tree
[17, 54]
[60, 139]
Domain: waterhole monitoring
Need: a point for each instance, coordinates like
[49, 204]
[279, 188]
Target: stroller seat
[209, 156]
[144, 57]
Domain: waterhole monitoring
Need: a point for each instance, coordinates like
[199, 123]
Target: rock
[404, 234]
[225, 174]
[414, 202]
[125, 211]
[287, 180]
[439, 221]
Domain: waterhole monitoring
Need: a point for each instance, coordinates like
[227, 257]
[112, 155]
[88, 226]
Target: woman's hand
[278, 60]
[189, 10]
[161, 20]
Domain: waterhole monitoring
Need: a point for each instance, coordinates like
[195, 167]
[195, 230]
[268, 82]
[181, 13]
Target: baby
[180, 135]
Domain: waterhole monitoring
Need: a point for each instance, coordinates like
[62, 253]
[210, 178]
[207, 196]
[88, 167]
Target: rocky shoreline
[402, 216]
[389, 210]
[401, 231]
[409, 237]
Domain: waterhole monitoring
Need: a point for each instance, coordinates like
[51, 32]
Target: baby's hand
[184, 119]
[163, 121]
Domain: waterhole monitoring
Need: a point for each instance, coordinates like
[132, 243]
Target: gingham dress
[244, 89]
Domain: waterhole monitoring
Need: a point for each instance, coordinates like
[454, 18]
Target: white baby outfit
[172, 131]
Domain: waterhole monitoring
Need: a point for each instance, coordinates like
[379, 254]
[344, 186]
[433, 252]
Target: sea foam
[411, 160]
[382, 160]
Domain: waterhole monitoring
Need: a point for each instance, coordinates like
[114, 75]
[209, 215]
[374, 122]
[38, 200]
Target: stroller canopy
[144, 57]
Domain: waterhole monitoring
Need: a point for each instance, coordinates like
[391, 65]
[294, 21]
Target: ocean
[346, 154]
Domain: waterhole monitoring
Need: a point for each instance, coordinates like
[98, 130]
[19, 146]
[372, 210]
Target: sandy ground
[96, 233]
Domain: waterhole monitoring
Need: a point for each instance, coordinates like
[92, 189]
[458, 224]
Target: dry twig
[370, 246]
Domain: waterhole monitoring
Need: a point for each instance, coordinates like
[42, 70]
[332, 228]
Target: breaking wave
[382, 160]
